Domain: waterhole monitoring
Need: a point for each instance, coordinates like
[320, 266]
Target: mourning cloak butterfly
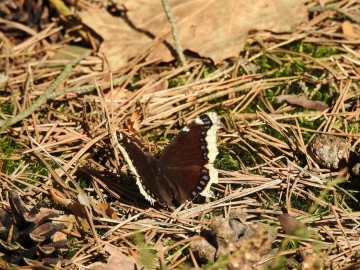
[183, 170]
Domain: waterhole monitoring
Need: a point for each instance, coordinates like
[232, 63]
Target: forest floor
[288, 162]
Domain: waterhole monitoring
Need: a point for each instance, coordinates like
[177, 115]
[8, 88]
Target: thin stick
[45, 96]
[175, 33]
[86, 88]
[51, 94]
[338, 10]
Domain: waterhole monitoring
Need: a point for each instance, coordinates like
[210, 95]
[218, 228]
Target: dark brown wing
[185, 167]
[146, 171]
[187, 160]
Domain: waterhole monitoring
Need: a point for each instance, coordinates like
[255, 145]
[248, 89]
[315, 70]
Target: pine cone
[25, 236]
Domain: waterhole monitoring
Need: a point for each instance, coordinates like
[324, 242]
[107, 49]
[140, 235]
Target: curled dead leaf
[74, 206]
[215, 29]
[293, 226]
[117, 95]
[348, 30]
[133, 123]
[303, 102]
[105, 207]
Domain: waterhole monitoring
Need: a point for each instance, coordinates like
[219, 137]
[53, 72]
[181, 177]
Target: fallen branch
[338, 10]
[175, 32]
[51, 94]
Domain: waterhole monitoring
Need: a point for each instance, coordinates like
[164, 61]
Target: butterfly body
[183, 170]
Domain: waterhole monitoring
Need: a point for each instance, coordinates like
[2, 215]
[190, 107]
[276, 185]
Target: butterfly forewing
[145, 169]
[185, 149]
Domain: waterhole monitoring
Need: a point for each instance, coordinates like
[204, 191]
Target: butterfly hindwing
[187, 160]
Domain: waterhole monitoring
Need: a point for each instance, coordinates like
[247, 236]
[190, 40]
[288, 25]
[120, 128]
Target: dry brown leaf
[293, 226]
[74, 206]
[163, 85]
[133, 123]
[216, 29]
[105, 207]
[64, 55]
[213, 29]
[121, 42]
[118, 95]
[116, 261]
[348, 30]
[69, 221]
[303, 102]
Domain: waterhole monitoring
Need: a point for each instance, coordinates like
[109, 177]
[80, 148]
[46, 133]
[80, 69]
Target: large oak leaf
[121, 42]
[212, 28]
[216, 29]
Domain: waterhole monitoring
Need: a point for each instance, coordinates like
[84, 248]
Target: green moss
[226, 161]
[270, 93]
[353, 126]
[300, 203]
[70, 252]
[242, 154]
[131, 86]
[7, 108]
[325, 51]
[265, 63]
[312, 49]
[221, 263]
[83, 181]
[7, 147]
[175, 82]
[11, 160]
[290, 69]
[210, 69]
[300, 47]
[304, 122]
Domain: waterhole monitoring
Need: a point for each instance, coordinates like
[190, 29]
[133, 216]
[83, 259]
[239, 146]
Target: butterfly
[183, 170]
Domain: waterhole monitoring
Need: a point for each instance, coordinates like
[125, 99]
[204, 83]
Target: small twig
[175, 32]
[45, 96]
[338, 10]
[76, 90]
[86, 88]
[51, 94]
